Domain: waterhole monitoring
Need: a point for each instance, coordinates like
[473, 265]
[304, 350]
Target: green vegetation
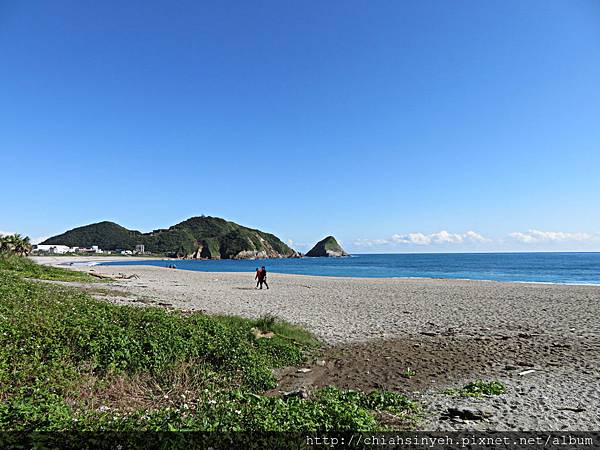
[209, 248]
[408, 373]
[15, 244]
[69, 362]
[201, 237]
[478, 388]
[106, 235]
[327, 247]
[28, 269]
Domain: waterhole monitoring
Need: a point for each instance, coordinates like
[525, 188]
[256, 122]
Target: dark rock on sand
[300, 393]
[469, 413]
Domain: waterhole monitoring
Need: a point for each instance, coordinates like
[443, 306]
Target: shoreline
[84, 261]
[542, 341]
[307, 299]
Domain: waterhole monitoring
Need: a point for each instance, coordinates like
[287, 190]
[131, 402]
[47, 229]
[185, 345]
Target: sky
[396, 126]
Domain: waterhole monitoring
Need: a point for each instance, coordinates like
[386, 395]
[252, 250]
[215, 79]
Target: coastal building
[92, 249]
[55, 249]
[140, 248]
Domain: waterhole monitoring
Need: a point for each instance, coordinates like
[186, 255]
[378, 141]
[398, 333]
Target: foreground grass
[26, 268]
[69, 362]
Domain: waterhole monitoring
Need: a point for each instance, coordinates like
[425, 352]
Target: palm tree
[22, 245]
[5, 244]
[16, 244]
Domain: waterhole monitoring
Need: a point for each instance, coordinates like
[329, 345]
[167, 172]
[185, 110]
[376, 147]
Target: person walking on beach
[263, 271]
[257, 277]
[261, 277]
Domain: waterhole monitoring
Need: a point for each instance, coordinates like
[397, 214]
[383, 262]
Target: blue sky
[396, 126]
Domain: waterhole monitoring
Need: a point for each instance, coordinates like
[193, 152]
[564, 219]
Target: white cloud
[370, 242]
[474, 236]
[441, 237]
[411, 238]
[537, 236]
[6, 233]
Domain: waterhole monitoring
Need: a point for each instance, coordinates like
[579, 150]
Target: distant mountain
[327, 247]
[199, 237]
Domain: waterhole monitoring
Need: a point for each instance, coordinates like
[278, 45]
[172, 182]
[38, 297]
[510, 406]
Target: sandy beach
[541, 340]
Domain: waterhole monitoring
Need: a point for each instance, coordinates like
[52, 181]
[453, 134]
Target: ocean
[561, 268]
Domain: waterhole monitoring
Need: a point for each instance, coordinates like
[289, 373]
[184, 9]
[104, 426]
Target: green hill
[327, 247]
[197, 237]
[106, 235]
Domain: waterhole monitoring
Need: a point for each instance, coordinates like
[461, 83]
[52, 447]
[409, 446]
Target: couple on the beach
[261, 277]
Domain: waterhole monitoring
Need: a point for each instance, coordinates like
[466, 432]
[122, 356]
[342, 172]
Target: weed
[408, 373]
[478, 388]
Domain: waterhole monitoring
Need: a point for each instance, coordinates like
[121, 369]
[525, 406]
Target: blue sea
[562, 268]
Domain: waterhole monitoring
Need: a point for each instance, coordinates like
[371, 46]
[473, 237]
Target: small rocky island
[328, 247]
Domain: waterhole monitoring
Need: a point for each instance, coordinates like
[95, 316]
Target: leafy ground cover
[26, 268]
[478, 388]
[70, 362]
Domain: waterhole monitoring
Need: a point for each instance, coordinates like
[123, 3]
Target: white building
[62, 249]
[92, 249]
[58, 249]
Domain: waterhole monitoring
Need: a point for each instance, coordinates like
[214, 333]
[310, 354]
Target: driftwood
[99, 275]
[259, 334]
[121, 276]
[128, 277]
